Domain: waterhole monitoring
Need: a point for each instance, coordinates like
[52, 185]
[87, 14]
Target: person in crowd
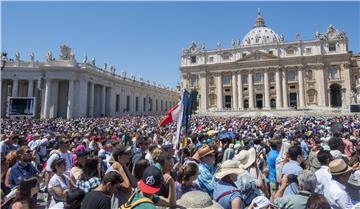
[9, 144]
[198, 200]
[105, 154]
[348, 145]
[335, 192]
[251, 183]
[149, 156]
[89, 179]
[207, 169]
[39, 146]
[186, 178]
[293, 167]
[337, 147]
[166, 165]
[307, 184]
[77, 170]
[23, 167]
[141, 151]
[62, 152]
[229, 153]
[99, 198]
[11, 158]
[225, 190]
[323, 175]
[317, 201]
[139, 168]
[275, 146]
[122, 156]
[24, 198]
[73, 200]
[59, 183]
[282, 158]
[149, 185]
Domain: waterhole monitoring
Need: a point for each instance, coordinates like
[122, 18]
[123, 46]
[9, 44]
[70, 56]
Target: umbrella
[227, 135]
[212, 132]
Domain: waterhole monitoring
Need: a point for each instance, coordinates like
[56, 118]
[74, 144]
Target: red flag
[171, 115]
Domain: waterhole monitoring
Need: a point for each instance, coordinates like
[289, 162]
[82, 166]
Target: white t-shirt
[57, 181]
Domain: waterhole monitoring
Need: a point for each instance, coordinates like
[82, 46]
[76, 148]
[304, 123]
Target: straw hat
[338, 167]
[246, 157]
[197, 200]
[228, 167]
[204, 151]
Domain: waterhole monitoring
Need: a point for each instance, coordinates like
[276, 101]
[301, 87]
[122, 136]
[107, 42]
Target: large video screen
[21, 106]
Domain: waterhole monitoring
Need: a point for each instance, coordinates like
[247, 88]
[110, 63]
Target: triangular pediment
[257, 55]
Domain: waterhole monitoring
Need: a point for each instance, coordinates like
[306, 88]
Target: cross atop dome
[260, 22]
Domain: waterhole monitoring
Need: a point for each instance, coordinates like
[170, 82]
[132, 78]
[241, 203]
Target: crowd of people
[231, 163]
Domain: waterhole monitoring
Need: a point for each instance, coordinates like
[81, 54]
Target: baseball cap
[261, 202]
[151, 180]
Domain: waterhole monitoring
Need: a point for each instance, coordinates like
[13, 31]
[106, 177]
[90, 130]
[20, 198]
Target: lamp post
[3, 60]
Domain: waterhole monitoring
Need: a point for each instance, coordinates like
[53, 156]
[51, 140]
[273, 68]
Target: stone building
[263, 71]
[66, 88]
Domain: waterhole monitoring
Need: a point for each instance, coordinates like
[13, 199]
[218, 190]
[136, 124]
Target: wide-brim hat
[197, 200]
[338, 167]
[229, 167]
[204, 151]
[246, 157]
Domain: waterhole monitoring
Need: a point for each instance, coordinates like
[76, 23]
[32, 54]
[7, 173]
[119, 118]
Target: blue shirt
[271, 160]
[305, 149]
[221, 187]
[20, 172]
[206, 178]
[291, 167]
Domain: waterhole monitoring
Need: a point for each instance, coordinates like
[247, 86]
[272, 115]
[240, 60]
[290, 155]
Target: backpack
[131, 205]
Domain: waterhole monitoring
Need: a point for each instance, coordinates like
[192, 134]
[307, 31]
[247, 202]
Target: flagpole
[179, 122]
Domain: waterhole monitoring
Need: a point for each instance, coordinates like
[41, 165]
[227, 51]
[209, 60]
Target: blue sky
[146, 38]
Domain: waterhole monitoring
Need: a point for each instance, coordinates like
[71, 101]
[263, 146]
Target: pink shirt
[349, 147]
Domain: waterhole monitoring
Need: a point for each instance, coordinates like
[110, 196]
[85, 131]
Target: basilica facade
[263, 71]
[66, 88]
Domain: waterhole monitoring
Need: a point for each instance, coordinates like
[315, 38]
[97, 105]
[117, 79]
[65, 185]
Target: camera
[292, 178]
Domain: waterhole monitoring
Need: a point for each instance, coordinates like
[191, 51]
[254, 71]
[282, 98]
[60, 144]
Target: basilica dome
[260, 34]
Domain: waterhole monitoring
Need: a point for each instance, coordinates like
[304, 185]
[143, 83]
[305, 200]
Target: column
[267, 89]
[285, 89]
[83, 92]
[219, 91]
[15, 88]
[30, 89]
[240, 92]
[54, 100]
[47, 99]
[70, 103]
[234, 92]
[103, 101]
[301, 88]
[91, 100]
[4, 96]
[278, 89]
[203, 84]
[347, 84]
[251, 90]
[321, 86]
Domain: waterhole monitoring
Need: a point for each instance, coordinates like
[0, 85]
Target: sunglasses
[28, 151]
